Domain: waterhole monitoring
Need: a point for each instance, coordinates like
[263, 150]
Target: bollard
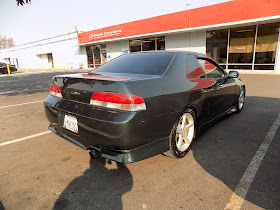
[43, 67]
[66, 65]
[8, 69]
[56, 65]
[26, 69]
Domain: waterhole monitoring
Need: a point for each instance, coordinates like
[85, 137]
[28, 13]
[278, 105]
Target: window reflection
[194, 70]
[210, 69]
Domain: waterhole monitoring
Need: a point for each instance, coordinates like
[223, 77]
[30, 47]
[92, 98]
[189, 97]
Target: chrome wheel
[184, 132]
[241, 100]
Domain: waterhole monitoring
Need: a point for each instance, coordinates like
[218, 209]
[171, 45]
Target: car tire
[240, 100]
[182, 135]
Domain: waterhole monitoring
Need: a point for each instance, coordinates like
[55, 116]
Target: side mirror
[233, 74]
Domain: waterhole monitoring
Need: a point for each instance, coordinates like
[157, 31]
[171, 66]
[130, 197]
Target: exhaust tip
[94, 154]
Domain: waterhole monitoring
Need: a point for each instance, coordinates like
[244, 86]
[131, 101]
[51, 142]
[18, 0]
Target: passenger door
[222, 88]
[200, 88]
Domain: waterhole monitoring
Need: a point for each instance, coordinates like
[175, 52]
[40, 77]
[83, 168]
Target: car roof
[172, 51]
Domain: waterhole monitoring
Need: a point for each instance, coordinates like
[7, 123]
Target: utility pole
[189, 11]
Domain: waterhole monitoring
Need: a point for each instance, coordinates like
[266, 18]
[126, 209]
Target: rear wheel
[241, 99]
[182, 135]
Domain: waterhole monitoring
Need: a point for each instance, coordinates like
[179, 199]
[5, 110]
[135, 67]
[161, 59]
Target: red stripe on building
[232, 11]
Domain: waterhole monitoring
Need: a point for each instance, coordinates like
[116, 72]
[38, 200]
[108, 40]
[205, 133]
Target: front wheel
[182, 135]
[241, 99]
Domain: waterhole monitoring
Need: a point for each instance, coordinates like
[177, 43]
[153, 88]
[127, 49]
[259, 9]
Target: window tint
[211, 70]
[194, 70]
[138, 63]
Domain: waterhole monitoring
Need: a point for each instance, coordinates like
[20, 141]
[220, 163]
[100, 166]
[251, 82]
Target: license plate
[70, 123]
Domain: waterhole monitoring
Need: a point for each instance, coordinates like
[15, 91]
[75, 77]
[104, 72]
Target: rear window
[139, 63]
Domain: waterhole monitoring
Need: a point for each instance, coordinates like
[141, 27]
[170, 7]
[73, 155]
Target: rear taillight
[55, 91]
[118, 101]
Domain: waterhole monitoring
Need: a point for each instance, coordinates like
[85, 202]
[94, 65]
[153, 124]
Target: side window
[211, 69]
[194, 70]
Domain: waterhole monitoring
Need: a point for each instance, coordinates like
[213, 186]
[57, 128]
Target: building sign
[104, 34]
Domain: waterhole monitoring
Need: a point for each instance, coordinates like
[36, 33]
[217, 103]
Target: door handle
[216, 87]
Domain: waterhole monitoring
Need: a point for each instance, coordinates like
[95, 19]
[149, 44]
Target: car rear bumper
[122, 156]
[121, 136]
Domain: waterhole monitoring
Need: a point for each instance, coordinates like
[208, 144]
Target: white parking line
[24, 138]
[1, 107]
[238, 196]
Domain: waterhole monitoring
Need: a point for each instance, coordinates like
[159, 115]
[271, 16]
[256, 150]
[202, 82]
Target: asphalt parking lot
[42, 171]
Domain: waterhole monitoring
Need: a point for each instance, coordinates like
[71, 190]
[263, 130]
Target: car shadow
[100, 187]
[226, 149]
[27, 83]
[1, 206]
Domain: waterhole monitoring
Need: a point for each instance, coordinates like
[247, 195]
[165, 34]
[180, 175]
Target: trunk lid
[80, 87]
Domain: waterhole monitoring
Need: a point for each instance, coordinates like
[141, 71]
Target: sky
[46, 18]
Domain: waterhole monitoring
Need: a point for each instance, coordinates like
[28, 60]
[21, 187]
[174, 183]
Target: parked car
[4, 70]
[142, 104]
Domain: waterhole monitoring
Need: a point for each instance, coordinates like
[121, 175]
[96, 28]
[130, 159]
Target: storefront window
[241, 45]
[240, 67]
[149, 44]
[242, 41]
[263, 67]
[135, 45]
[216, 45]
[266, 43]
[160, 43]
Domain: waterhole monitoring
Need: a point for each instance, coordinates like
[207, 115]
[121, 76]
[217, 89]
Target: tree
[6, 42]
[22, 2]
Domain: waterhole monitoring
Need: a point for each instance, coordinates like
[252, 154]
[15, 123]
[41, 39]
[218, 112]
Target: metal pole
[255, 44]
[228, 48]
[277, 53]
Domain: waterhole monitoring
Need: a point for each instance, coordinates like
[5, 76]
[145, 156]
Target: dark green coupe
[142, 104]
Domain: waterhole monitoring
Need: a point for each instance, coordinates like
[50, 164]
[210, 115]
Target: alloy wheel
[241, 100]
[184, 132]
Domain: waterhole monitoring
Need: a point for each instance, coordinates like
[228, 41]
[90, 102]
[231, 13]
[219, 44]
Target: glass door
[103, 56]
[97, 56]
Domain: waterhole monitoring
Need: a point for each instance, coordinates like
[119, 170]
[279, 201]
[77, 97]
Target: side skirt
[212, 121]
